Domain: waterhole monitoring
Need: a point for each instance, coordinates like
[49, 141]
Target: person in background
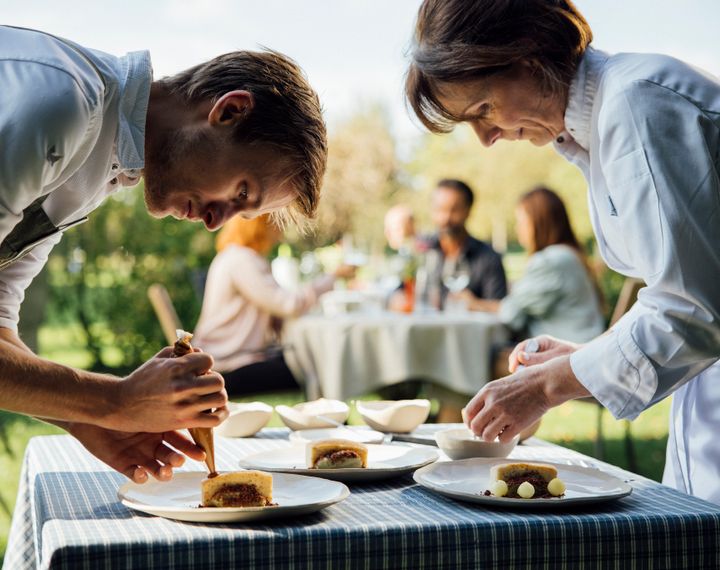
[399, 227]
[243, 308]
[557, 295]
[451, 203]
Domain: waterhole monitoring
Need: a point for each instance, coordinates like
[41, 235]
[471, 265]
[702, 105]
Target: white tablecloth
[349, 355]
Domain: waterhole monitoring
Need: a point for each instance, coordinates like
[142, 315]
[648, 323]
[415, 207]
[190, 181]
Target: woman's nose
[487, 135]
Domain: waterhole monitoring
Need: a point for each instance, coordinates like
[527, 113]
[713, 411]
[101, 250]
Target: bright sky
[352, 50]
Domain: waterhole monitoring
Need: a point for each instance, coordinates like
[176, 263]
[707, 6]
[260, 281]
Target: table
[67, 516]
[349, 355]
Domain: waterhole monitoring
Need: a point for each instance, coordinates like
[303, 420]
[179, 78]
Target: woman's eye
[243, 194]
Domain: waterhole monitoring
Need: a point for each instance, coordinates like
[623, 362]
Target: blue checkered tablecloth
[68, 516]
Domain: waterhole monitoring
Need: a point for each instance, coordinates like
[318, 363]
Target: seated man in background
[451, 203]
[243, 308]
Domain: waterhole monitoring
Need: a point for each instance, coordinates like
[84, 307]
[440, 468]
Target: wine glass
[456, 277]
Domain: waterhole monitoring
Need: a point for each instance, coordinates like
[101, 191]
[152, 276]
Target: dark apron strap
[34, 228]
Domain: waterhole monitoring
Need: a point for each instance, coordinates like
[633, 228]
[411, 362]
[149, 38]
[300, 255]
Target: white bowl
[305, 415]
[462, 444]
[245, 419]
[398, 416]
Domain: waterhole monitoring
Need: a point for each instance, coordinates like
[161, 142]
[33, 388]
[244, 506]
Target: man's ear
[231, 108]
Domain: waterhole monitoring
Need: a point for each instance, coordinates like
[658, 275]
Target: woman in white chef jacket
[645, 131]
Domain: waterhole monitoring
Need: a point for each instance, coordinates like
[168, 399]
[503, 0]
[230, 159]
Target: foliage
[100, 272]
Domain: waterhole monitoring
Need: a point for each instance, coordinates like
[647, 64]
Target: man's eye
[243, 194]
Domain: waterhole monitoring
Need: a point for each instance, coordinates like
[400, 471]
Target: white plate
[179, 499]
[356, 433]
[384, 461]
[468, 479]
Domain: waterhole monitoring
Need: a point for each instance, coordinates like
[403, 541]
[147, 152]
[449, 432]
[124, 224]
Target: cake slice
[238, 489]
[515, 474]
[336, 454]
[201, 436]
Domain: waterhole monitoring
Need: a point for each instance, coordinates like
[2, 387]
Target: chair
[165, 311]
[626, 299]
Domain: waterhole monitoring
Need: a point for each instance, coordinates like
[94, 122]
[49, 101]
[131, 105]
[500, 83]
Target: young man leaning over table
[240, 134]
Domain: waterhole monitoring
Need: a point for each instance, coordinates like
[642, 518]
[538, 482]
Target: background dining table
[68, 516]
[348, 355]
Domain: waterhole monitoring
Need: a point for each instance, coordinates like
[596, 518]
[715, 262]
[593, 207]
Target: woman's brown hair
[551, 226]
[461, 40]
[259, 234]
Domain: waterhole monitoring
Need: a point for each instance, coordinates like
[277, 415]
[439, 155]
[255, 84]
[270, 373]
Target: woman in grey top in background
[557, 294]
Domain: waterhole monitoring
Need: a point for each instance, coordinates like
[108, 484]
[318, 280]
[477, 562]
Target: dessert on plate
[202, 436]
[238, 489]
[525, 481]
[336, 454]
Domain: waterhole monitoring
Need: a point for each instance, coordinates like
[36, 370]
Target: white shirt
[645, 131]
[554, 296]
[72, 128]
[241, 295]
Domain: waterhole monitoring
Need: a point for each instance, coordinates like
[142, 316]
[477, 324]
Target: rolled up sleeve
[661, 166]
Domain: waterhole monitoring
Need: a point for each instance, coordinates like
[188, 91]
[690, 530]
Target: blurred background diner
[244, 307]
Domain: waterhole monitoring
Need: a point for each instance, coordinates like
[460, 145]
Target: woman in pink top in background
[243, 308]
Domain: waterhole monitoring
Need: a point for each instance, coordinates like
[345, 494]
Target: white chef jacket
[645, 131]
[72, 129]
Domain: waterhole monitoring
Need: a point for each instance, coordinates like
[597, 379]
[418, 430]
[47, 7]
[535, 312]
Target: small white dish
[461, 443]
[398, 416]
[245, 420]
[467, 480]
[305, 415]
[384, 462]
[361, 434]
[180, 498]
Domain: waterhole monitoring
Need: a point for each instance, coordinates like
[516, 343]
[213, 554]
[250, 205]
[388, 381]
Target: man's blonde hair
[286, 116]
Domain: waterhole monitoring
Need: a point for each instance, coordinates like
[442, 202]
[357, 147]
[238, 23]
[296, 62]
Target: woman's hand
[507, 406]
[548, 348]
[136, 455]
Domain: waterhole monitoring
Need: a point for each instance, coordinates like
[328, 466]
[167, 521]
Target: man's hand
[167, 393]
[507, 406]
[136, 455]
[548, 348]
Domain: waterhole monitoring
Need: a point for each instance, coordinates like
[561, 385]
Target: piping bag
[202, 436]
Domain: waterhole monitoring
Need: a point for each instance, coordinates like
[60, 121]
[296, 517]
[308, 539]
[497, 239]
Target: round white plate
[468, 479]
[361, 434]
[179, 498]
[384, 461]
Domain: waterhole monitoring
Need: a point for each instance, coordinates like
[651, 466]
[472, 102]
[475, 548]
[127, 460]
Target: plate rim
[513, 502]
[344, 494]
[308, 472]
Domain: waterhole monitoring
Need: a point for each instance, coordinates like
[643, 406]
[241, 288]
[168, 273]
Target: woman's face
[524, 228]
[509, 106]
